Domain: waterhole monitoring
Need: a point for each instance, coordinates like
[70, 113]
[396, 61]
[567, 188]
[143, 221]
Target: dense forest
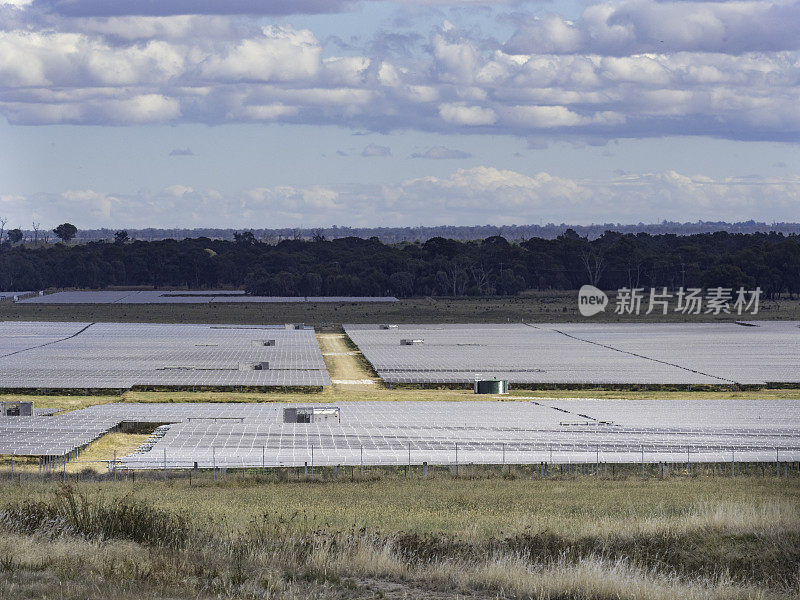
[368, 267]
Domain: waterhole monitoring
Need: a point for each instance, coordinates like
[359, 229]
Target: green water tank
[491, 386]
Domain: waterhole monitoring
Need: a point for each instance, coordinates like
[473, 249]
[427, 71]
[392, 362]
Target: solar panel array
[585, 353]
[12, 295]
[186, 297]
[124, 355]
[398, 433]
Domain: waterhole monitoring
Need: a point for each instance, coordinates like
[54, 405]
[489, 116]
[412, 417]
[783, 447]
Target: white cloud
[466, 196]
[282, 54]
[374, 150]
[603, 76]
[637, 26]
[544, 117]
[462, 114]
[441, 153]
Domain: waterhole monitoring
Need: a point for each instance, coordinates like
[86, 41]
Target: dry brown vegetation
[397, 538]
[533, 307]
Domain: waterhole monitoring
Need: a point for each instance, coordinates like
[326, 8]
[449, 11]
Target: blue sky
[397, 113]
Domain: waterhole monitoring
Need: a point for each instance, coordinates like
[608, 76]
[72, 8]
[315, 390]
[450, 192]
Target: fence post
[504, 456]
[777, 462]
[312, 460]
[597, 463]
[456, 458]
[214, 462]
[688, 472]
[165, 465]
[361, 459]
[12, 465]
[733, 463]
[409, 459]
[642, 460]
[262, 460]
[115, 465]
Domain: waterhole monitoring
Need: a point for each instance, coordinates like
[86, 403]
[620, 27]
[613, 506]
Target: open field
[397, 538]
[532, 307]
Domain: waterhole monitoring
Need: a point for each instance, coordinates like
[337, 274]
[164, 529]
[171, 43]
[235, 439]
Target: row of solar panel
[384, 432]
[589, 353]
[122, 355]
[186, 297]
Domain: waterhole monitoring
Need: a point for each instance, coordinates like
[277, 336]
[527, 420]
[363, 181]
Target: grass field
[532, 307]
[399, 538]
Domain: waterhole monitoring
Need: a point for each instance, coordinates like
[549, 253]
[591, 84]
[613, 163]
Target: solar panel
[585, 353]
[124, 355]
[12, 295]
[387, 433]
[187, 297]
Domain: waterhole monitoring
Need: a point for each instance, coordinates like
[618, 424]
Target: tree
[65, 232]
[311, 284]
[594, 263]
[14, 236]
[120, 237]
[401, 284]
[245, 238]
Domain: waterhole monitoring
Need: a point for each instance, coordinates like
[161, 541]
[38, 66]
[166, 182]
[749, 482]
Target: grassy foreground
[397, 538]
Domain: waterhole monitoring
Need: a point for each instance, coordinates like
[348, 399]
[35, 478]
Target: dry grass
[533, 307]
[98, 452]
[93, 459]
[377, 392]
[343, 360]
[701, 539]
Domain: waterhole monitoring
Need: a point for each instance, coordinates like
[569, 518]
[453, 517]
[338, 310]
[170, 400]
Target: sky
[310, 113]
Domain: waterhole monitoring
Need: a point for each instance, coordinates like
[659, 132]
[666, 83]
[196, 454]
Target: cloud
[441, 153]
[181, 152]
[103, 8]
[629, 69]
[466, 196]
[462, 114]
[373, 150]
[280, 54]
[639, 26]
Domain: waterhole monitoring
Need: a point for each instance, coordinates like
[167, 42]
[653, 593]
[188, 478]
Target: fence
[546, 457]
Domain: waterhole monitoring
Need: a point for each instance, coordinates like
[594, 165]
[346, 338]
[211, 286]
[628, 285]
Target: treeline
[444, 267]
[394, 235]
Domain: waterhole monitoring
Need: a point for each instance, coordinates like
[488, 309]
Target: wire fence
[548, 459]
